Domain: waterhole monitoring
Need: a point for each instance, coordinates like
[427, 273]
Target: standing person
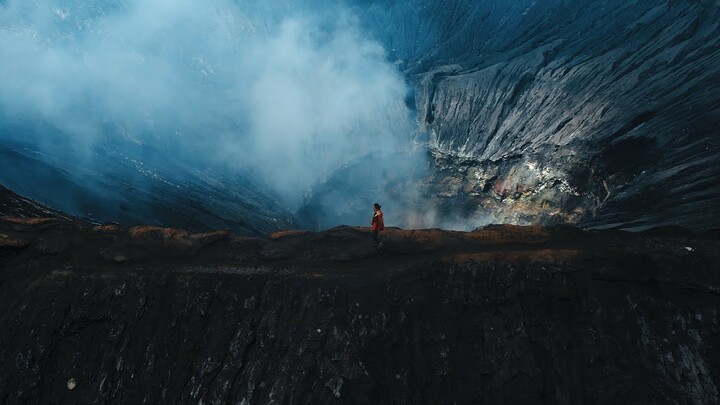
[377, 224]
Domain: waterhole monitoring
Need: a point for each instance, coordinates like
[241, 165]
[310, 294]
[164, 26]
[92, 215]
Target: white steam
[289, 97]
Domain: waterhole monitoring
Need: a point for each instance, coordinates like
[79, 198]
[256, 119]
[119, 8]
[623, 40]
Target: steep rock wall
[599, 113]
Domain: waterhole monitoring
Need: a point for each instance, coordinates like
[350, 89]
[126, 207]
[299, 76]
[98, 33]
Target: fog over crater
[283, 99]
[259, 116]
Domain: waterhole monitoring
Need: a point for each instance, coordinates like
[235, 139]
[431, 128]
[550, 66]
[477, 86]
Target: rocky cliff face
[501, 315]
[599, 113]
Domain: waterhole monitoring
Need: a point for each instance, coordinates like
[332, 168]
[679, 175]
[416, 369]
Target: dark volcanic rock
[599, 113]
[500, 315]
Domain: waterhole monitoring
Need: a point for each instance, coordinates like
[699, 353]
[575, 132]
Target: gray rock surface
[600, 113]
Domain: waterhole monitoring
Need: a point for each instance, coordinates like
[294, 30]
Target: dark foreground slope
[503, 314]
[14, 205]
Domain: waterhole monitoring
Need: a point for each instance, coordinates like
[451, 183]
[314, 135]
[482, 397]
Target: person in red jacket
[377, 224]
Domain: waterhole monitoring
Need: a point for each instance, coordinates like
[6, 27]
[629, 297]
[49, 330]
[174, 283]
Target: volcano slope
[14, 205]
[598, 113]
[503, 314]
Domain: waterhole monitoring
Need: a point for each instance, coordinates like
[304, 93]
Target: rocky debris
[503, 314]
[512, 190]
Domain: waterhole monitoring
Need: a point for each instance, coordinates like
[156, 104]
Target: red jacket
[377, 221]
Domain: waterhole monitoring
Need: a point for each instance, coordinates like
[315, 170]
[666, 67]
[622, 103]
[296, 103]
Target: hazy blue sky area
[289, 95]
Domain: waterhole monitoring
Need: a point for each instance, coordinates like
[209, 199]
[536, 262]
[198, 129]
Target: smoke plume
[287, 95]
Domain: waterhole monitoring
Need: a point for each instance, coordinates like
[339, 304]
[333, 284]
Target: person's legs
[376, 237]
